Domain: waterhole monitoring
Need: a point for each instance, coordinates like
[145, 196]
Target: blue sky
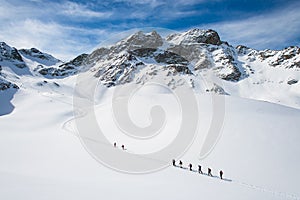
[66, 28]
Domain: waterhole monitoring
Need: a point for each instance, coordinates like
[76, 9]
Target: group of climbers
[181, 165]
[209, 173]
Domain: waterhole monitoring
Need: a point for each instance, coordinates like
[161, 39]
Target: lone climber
[221, 174]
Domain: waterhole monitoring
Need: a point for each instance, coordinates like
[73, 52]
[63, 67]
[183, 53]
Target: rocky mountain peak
[10, 56]
[9, 53]
[195, 36]
[139, 40]
[37, 55]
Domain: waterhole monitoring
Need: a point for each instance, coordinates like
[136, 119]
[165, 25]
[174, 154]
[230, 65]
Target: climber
[199, 169]
[221, 174]
[209, 172]
[180, 163]
[173, 161]
[190, 166]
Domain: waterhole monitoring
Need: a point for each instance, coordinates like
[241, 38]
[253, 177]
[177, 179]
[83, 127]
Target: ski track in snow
[266, 190]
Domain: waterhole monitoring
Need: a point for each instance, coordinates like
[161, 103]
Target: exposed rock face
[293, 81]
[145, 52]
[73, 66]
[4, 84]
[11, 55]
[205, 62]
[234, 74]
[181, 54]
[138, 40]
[227, 66]
[67, 69]
[217, 90]
[241, 49]
[170, 58]
[178, 69]
[35, 53]
[118, 70]
[195, 36]
[287, 57]
[97, 55]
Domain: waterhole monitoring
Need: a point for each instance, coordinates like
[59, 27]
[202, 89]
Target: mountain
[66, 69]
[34, 54]
[11, 58]
[201, 58]
[196, 56]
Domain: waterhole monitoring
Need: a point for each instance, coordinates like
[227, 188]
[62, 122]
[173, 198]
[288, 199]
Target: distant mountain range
[197, 56]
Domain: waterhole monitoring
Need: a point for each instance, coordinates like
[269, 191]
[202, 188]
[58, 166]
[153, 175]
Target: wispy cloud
[27, 25]
[64, 42]
[270, 30]
[72, 9]
[151, 3]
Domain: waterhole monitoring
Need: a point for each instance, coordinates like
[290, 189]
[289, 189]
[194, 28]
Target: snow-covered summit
[38, 56]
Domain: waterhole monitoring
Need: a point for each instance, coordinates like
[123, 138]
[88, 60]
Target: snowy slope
[42, 158]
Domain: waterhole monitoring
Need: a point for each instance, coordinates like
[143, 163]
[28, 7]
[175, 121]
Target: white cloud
[26, 25]
[151, 3]
[79, 10]
[273, 30]
[64, 42]
[46, 10]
